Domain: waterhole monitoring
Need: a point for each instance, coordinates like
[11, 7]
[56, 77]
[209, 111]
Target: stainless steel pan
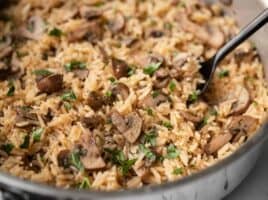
[211, 184]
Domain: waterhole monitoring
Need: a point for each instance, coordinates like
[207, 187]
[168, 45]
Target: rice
[102, 94]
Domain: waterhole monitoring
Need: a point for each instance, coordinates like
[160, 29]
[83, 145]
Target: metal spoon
[208, 67]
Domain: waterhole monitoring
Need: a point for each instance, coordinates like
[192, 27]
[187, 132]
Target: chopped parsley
[75, 160]
[26, 142]
[21, 54]
[213, 111]
[108, 94]
[36, 134]
[168, 26]
[74, 64]
[7, 147]
[42, 72]
[112, 79]
[85, 184]
[155, 93]
[150, 111]
[172, 86]
[223, 73]
[55, 32]
[152, 68]
[119, 159]
[192, 98]
[68, 96]
[167, 124]
[11, 89]
[147, 152]
[150, 138]
[172, 152]
[131, 71]
[202, 123]
[177, 171]
[67, 106]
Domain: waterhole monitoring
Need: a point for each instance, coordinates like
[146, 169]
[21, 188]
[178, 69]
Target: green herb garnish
[85, 184]
[167, 124]
[108, 93]
[152, 68]
[172, 86]
[67, 106]
[168, 26]
[150, 138]
[112, 79]
[68, 96]
[172, 152]
[42, 72]
[177, 171]
[11, 89]
[75, 160]
[55, 32]
[119, 159]
[26, 142]
[7, 147]
[36, 134]
[131, 70]
[155, 93]
[150, 111]
[74, 64]
[193, 97]
[202, 123]
[223, 73]
[147, 152]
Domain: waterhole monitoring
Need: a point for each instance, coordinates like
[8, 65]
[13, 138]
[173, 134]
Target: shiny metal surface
[211, 184]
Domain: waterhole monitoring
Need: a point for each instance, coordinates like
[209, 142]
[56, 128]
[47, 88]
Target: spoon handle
[246, 32]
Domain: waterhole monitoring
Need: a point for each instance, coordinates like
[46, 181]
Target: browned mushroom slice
[79, 32]
[129, 125]
[35, 28]
[120, 68]
[95, 31]
[82, 74]
[25, 117]
[118, 23]
[134, 125]
[150, 101]
[156, 33]
[227, 2]
[241, 98]
[161, 78]
[129, 41]
[210, 35]
[92, 159]
[51, 83]
[121, 89]
[190, 116]
[93, 121]
[217, 142]
[63, 158]
[90, 12]
[95, 100]
[243, 125]
[104, 55]
[118, 121]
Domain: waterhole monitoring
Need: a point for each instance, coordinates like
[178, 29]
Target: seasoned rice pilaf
[102, 94]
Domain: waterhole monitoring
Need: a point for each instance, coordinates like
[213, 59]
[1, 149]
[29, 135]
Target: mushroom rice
[102, 94]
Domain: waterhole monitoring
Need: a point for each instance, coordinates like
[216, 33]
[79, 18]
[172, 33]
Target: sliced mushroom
[82, 74]
[210, 35]
[150, 101]
[51, 83]
[129, 41]
[90, 12]
[120, 68]
[25, 117]
[92, 159]
[121, 89]
[89, 30]
[227, 2]
[104, 55]
[35, 28]
[118, 23]
[217, 142]
[161, 78]
[242, 125]
[93, 121]
[129, 125]
[241, 100]
[190, 116]
[95, 100]
[63, 158]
